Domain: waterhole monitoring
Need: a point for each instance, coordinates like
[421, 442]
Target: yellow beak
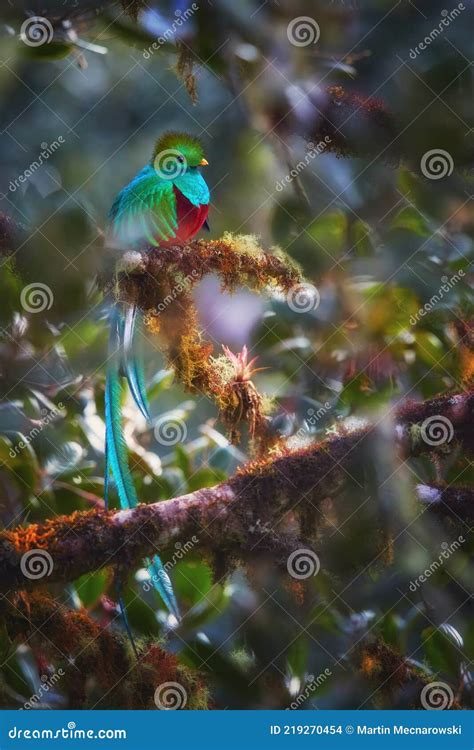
[203, 163]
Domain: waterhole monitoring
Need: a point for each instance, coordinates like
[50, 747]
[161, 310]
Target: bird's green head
[177, 153]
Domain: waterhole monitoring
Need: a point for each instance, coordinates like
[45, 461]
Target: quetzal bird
[165, 204]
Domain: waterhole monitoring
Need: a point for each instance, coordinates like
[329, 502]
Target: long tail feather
[162, 583]
[116, 461]
[106, 475]
[133, 359]
[116, 449]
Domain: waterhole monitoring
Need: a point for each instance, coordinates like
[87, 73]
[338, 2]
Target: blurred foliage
[376, 237]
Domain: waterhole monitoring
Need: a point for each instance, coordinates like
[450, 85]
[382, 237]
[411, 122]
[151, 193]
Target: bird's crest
[180, 144]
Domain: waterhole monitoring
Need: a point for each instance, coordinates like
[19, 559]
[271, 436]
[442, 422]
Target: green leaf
[6, 452]
[411, 219]
[12, 674]
[441, 653]
[361, 239]
[159, 383]
[207, 609]
[90, 587]
[329, 232]
[205, 477]
[192, 581]
[297, 656]
[51, 51]
[324, 617]
[173, 482]
[142, 614]
[430, 349]
[225, 459]
[65, 459]
[392, 630]
[406, 180]
[205, 656]
[10, 291]
[183, 461]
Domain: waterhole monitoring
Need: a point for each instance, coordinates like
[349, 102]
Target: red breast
[190, 219]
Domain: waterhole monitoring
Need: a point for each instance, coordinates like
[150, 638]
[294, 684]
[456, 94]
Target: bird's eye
[181, 159]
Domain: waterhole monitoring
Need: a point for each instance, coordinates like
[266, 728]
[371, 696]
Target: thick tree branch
[232, 519]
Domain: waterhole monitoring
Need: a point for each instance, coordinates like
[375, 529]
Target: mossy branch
[160, 283]
[265, 508]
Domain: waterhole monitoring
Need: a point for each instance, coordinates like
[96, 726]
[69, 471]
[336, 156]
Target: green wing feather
[145, 210]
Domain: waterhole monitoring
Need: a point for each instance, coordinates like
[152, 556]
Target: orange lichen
[464, 330]
[369, 665]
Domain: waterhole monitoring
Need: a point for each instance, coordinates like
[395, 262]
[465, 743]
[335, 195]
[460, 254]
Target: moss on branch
[160, 283]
